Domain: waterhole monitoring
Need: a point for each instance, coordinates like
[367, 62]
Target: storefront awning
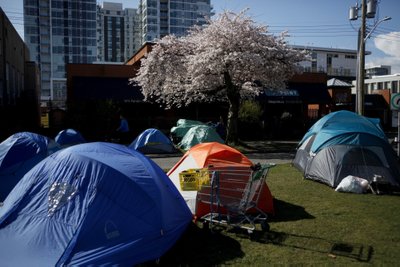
[307, 95]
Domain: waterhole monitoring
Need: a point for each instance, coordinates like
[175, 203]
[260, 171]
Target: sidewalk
[278, 152]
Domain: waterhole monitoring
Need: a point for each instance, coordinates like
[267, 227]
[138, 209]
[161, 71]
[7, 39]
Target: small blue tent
[69, 137]
[18, 154]
[153, 141]
[344, 143]
[92, 204]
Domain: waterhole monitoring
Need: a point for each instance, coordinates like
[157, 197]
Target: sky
[320, 23]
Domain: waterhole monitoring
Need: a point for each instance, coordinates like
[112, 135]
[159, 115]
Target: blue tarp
[18, 154]
[344, 127]
[153, 141]
[93, 204]
[69, 137]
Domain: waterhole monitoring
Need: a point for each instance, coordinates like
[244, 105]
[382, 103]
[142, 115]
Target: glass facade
[132, 40]
[117, 32]
[162, 17]
[58, 32]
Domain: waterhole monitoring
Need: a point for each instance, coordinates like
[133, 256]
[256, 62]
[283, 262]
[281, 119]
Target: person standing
[123, 129]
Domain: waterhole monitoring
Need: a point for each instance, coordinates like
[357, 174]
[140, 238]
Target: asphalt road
[278, 152]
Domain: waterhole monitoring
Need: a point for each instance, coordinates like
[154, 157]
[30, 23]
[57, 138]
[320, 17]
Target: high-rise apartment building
[58, 32]
[117, 32]
[132, 30]
[162, 17]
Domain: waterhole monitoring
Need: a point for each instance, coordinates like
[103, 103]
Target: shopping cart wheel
[265, 226]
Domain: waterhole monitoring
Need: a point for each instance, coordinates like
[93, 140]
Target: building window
[395, 87]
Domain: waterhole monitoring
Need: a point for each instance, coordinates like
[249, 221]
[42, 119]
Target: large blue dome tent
[93, 204]
[18, 154]
[344, 143]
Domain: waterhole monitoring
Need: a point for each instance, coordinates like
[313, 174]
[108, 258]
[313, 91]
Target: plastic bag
[352, 184]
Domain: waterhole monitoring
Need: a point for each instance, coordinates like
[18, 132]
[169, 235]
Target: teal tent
[182, 127]
[199, 134]
[344, 143]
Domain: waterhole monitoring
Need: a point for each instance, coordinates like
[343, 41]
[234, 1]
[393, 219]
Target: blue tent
[92, 204]
[153, 141]
[68, 137]
[18, 154]
[343, 127]
[344, 143]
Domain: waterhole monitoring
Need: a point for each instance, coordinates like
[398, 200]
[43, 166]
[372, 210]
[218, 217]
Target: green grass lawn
[313, 225]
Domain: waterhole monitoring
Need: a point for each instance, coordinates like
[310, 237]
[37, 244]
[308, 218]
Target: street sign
[395, 102]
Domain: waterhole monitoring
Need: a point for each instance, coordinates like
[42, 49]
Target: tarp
[182, 127]
[199, 134]
[69, 137]
[153, 141]
[18, 154]
[344, 143]
[93, 204]
[219, 156]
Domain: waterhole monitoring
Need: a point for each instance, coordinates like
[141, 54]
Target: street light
[367, 11]
[376, 25]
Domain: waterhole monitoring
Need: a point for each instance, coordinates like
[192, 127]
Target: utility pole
[368, 10]
[361, 62]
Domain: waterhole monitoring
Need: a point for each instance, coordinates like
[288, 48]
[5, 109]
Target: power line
[294, 31]
[310, 26]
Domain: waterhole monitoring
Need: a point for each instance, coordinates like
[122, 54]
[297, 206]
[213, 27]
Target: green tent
[182, 127]
[199, 134]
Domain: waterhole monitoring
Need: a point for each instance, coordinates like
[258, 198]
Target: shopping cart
[233, 195]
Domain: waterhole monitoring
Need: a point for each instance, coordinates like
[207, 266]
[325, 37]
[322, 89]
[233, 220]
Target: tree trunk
[233, 113]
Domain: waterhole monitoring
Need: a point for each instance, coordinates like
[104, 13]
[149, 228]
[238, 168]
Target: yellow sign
[44, 120]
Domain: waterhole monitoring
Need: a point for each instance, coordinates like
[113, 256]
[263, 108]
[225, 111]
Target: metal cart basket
[233, 195]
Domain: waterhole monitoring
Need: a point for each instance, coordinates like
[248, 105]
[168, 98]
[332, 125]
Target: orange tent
[218, 156]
